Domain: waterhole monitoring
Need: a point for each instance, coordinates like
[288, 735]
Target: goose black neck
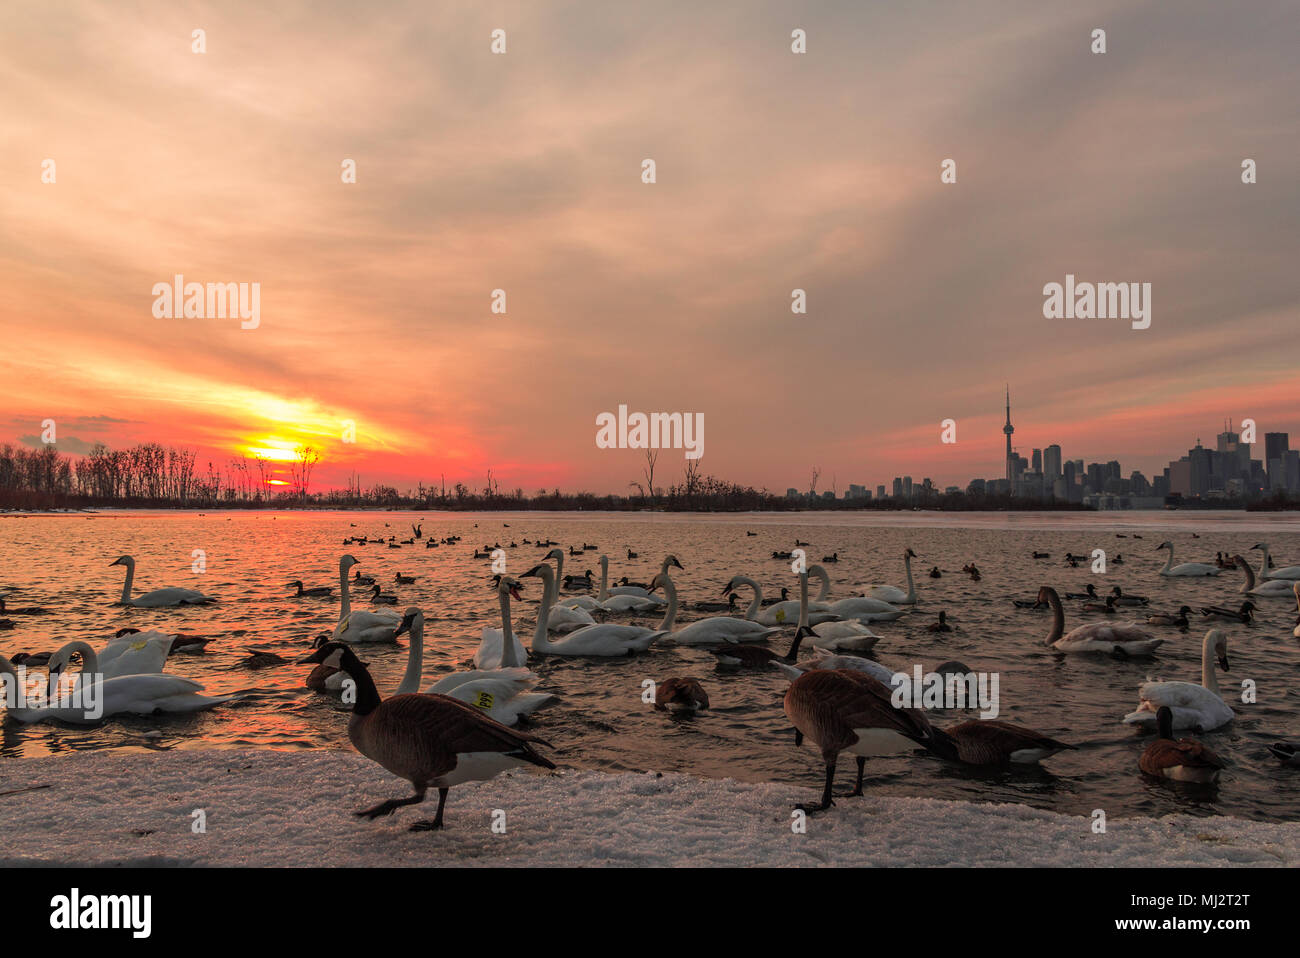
[367, 694]
[794, 647]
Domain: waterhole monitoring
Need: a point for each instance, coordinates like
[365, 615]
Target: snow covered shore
[294, 808]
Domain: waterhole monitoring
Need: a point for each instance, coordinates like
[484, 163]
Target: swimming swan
[158, 598]
[1193, 706]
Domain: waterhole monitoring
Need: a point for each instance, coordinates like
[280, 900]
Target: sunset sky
[775, 171]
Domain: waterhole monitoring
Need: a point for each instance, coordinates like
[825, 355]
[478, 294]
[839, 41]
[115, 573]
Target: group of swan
[1192, 706]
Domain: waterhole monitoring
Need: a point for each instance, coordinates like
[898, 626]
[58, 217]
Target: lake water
[61, 562]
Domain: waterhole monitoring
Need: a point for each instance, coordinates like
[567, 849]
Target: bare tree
[306, 462]
[651, 457]
[812, 486]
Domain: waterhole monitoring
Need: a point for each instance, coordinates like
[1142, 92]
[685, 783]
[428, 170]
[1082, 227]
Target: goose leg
[427, 825]
[388, 807]
[862, 766]
[826, 792]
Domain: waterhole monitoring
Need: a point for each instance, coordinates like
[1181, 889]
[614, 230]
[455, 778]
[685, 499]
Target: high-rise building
[880, 492]
[1037, 460]
[1008, 429]
[1051, 464]
[1276, 446]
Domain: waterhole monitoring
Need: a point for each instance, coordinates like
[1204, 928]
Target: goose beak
[311, 657]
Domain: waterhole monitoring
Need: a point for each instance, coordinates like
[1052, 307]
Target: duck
[833, 557]
[1244, 615]
[1118, 640]
[432, 741]
[382, 598]
[359, 579]
[840, 710]
[710, 631]
[403, 579]
[317, 592]
[1107, 606]
[1183, 760]
[158, 598]
[361, 626]
[604, 639]
[1089, 592]
[1042, 555]
[583, 581]
[1187, 568]
[1287, 752]
[935, 573]
[22, 610]
[261, 659]
[186, 644]
[988, 742]
[680, 694]
[32, 660]
[1194, 706]
[1268, 589]
[940, 626]
[1029, 603]
[1121, 598]
[631, 554]
[894, 595]
[1178, 618]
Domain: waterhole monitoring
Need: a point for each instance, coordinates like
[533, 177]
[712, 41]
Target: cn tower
[1009, 429]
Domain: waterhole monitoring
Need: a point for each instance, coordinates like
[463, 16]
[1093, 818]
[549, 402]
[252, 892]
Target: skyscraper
[1009, 429]
[1051, 464]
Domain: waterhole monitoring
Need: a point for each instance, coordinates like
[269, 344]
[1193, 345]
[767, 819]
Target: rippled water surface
[61, 562]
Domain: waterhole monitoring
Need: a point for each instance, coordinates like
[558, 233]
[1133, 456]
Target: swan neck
[670, 591]
[1058, 618]
[126, 586]
[1169, 564]
[414, 659]
[803, 600]
[345, 603]
[756, 603]
[911, 586]
[540, 641]
[507, 632]
[1250, 576]
[1208, 679]
[603, 594]
[824, 593]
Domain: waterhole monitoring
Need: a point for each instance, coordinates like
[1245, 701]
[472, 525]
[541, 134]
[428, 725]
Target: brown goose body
[1181, 760]
[841, 710]
[680, 695]
[432, 741]
[988, 742]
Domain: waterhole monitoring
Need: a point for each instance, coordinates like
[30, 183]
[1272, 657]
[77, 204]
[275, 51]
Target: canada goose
[988, 742]
[316, 592]
[1187, 568]
[382, 598]
[1089, 592]
[940, 626]
[1118, 640]
[680, 695]
[158, 598]
[1244, 615]
[893, 594]
[432, 741]
[1184, 760]
[261, 659]
[1130, 599]
[1178, 618]
[1193, 706]
[1288, 752]
[25, 610]
[732, 655]
[845, 711]
[326, 678]
[1268, 589]
[1107, 606]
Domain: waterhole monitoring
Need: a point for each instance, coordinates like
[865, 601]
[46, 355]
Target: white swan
[604, 639]
[850, 636]
[1272, 589]
[1291, 572]
[1194, 706]
[1115, 639]
[825, 660]
[636, 590]
[894, 595]
[146, 694]
[1187, 568]
[502, 694]
[133, 653]
[362, 626]
[563, 618]
[711, 631]
[494, 651]
[158, 598]
[783, 613]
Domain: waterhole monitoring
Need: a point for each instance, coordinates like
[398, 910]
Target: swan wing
[722, 628]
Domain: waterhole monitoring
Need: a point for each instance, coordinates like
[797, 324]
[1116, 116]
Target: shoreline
[270, 808]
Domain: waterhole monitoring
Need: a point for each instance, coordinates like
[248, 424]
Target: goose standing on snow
[710, 631]
[1106, 637]
[362, 626]
[604, 639]
[844, 711]
[1291, 572]
[432, 741]
[1194, 706]
[1187, 568]
[158, 598]
[894, 595]
[1184, 760]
